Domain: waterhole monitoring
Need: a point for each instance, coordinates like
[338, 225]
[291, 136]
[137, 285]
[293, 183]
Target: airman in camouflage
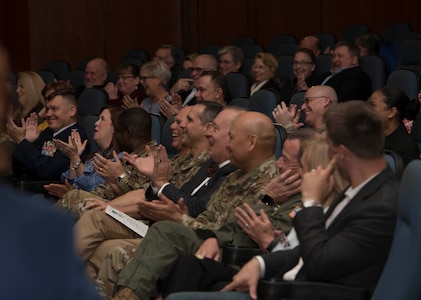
[251, 147]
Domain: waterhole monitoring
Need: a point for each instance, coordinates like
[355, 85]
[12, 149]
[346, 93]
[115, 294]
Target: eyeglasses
[144, 78]
[298, 63]
[308, 99]
[226, 62]
[124, 77]
[198, 70]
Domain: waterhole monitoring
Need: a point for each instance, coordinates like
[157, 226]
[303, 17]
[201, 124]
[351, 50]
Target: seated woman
[303, 67]
[82, 175]
[393, 106]
[127, 86]
[30, 99]
[264, 72]
[154, 77]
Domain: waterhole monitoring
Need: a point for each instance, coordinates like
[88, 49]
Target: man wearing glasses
[185, 87]
[230, 59]
[316, 102]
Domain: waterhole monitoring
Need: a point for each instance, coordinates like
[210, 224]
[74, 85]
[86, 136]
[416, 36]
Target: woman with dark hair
[81, 174]
[303, 66]
[394, 106]
[127, 87]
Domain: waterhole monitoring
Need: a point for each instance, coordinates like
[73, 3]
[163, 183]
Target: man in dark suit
[346, 77]
[36, 156]
[348, 244]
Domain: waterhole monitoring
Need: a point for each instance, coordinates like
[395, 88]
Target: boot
[125, 294]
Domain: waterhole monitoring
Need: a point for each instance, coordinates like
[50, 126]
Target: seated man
[316, 102]
[346, 77]
[186, 86]
[36, 156]
[211, 86]
[251, 147]
[349, 243]
[195, 194]
[96, 75]
[169, 54]
[312, 43]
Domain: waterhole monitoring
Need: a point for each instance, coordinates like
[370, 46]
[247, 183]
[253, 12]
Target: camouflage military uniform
[183, 169]
[166, 241]
[74, 200]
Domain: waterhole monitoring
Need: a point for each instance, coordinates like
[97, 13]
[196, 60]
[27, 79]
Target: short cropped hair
[212, 109]
[217, 79]
[158, 69]
[352, 48]
[357, 126]
[236, 52]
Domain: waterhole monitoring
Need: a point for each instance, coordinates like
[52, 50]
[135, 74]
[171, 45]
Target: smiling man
[211, 86]
[346, 77]
[36, 156]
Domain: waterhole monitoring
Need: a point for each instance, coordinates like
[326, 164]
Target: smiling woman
[264, 72]
[127, 86]
[154, 77]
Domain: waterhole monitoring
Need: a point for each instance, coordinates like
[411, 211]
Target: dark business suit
[354, 248]
[197, 203]
[272, 86]
[350, 84]
[39, 261]
[41, 160]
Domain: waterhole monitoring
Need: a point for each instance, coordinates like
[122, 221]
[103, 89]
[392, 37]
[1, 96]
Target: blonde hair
[269, 60]
[316, 153]
[33, 85]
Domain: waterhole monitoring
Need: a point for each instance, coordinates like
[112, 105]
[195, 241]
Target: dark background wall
[37, 31]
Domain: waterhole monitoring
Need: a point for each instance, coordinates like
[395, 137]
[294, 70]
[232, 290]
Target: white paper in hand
[135, 225]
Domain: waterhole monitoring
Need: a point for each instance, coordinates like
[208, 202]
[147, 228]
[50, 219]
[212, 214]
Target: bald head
[311, 42]
[252, 140]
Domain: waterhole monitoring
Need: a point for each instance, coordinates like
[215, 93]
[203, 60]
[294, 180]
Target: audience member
[315, 153]
[154, 77]
[169, 55]
[316, 102]
[30, 99]
[185, 87]
[211, 86]
[311, 42]
[36, 156]
[251, 146]
[369, 44]
[127, 86]
[81, 173]
[303, 66]
[358, 224]
[38, 242]
[188, 61]
[249, 230]
[230, 59]
[96, 74]
[345, 76]
[393, 106]
[194, 194]
[134, 134]
[265, 74]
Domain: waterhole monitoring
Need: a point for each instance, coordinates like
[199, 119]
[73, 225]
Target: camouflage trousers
[120, 252]
[74, 202]
[105, 245]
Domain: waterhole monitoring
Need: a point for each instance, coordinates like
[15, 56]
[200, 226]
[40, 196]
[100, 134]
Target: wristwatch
[119, 177]
[76, 165]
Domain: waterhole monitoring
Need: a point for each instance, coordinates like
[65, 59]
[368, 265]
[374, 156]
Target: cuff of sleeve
[161, 189]
[262, 265]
